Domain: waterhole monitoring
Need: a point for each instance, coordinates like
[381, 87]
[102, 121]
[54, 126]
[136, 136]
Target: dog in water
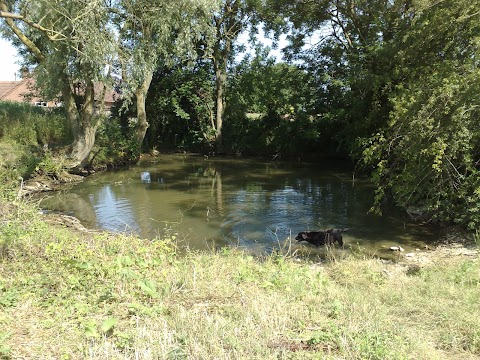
[325, 237]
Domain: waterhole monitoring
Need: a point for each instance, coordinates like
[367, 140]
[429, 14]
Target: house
[24, 91]
[111, 96]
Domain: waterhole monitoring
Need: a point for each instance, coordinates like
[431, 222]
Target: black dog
[326, 237]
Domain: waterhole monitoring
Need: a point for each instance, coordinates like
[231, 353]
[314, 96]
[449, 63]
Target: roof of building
[22, 91]
[13, 90]
[110, 95]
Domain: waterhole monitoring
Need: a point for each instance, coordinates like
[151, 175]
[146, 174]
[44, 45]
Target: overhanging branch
[8, 16]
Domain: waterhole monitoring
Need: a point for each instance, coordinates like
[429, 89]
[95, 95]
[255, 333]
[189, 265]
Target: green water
[258, 205]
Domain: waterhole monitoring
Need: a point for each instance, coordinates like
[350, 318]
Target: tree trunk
[142, 123]
[82, 146]
[220, 67]
[83, 125]
[227, 27]
[220, 83]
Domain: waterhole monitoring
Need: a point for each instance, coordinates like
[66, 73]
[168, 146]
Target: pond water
[258, 205]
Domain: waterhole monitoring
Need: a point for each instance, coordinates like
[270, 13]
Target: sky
[8, 68]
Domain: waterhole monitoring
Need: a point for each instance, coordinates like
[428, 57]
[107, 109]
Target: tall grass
[31, 142]
[71, 295]
[32, 125]
[40, 136]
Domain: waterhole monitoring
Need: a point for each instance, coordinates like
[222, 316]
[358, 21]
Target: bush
[115, 144]
[272, 134]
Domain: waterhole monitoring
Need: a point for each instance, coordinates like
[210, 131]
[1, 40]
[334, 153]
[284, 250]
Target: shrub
[114, 144]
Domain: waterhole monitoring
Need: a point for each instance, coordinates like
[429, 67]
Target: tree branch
[21, 36]
[8, 16]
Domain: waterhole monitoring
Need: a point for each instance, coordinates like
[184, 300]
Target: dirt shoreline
[441, 253]
[46, 183]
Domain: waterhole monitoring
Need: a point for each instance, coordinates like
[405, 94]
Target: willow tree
[70, 45]
[404, 77]
[156, 33]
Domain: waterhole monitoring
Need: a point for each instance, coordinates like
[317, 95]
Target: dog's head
[302, 236]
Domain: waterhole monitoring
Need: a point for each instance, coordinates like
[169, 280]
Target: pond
[257, 205]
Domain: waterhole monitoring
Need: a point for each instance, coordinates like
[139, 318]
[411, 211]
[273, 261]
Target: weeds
[113, 145]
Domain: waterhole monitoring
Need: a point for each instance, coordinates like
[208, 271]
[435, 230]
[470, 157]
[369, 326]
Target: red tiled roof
[21, 91]
[12, 90]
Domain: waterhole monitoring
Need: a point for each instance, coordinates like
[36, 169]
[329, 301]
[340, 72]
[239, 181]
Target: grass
[26, 134]
[33, 126]
[71, 295]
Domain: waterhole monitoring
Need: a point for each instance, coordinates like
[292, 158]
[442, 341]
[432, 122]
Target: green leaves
[5, 349]
[149, 288]
[92, 330]
[431, 150]
[108, 325]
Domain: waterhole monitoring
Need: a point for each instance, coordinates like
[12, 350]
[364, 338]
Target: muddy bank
[440, 253]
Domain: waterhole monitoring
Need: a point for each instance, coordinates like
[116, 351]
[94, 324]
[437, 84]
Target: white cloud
[8, 59]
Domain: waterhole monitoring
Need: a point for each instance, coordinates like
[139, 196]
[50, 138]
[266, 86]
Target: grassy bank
[35, 141]
[66, 294]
